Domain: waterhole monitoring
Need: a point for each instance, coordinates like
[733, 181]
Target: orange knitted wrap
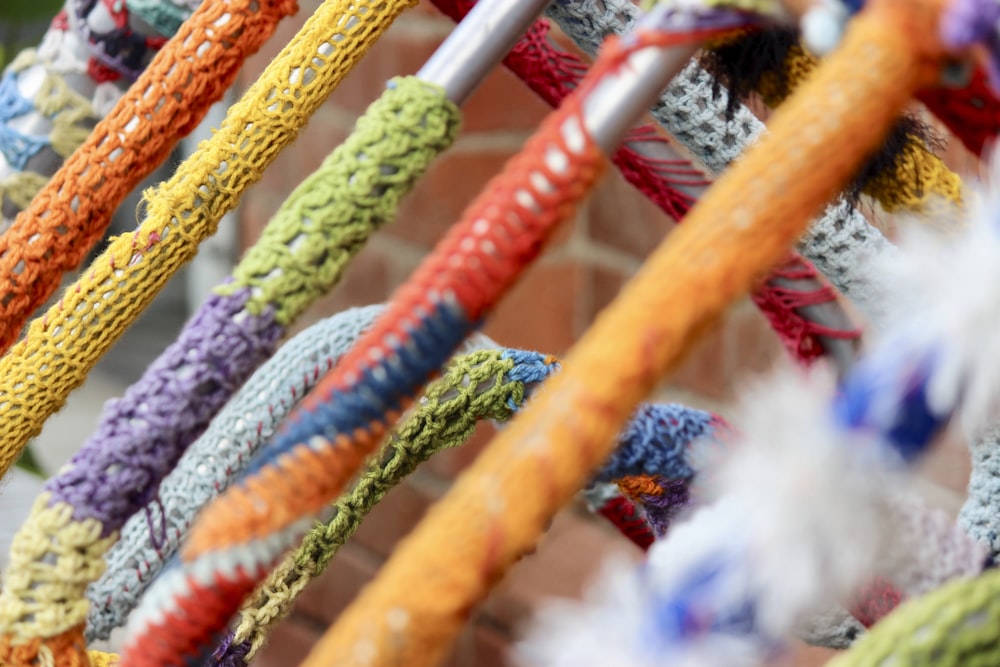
[498, 509]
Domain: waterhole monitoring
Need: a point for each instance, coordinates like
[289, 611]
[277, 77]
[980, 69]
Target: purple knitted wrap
[142, 435]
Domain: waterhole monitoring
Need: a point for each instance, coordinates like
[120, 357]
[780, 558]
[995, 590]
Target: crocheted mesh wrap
[838, 241]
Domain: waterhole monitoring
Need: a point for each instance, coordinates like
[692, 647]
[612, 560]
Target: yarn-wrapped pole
[422, 596]
[802, 310]
[61, 347]
[211, 463]
[41, 370]
[326, 441]
[71, 213]
[840, 243]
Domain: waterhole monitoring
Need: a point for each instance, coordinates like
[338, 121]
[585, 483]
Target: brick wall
[582, 271]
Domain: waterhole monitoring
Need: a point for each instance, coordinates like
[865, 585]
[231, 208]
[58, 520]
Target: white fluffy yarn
[795, 527]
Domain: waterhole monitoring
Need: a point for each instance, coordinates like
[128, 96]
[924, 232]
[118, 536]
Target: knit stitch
[743, 225]
[451, 291]
[184, 211]
[181, 213]
[841, 243]
[71, 213]
[164, 16]
[490, 384]
[553, 74]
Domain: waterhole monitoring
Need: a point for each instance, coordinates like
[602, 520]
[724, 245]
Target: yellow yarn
[920, 177]
[102, 659]
[43, 601]
[63, 345]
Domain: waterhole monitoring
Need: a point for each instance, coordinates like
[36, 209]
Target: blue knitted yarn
[164, 16]
[531, 368]
[17, 148]
[655, 442]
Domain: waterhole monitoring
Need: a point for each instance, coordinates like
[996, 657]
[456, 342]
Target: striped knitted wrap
[182, 212]
[300, 256]
[210, 464]
[326, 440]
[71, 213]
[235, 435]
[488, 384]
[553, 74]
[745, 223]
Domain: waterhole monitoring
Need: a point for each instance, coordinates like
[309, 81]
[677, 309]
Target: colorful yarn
[185, 210]
[500, 233]
[627, 518]
[422, 595]
[969, 22]
[71, 213]
[122, 49]
[914, 177]
[180, 200]
[299, 257]
[956, 625]
[553, 74]
[972, 112]
[164, 16]
[207, 468]
[841, 243]
[490, 384]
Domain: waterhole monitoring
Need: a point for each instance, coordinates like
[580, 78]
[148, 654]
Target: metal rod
[478, 43]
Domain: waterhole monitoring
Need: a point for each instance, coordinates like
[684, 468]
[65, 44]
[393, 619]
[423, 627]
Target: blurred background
[584, 268]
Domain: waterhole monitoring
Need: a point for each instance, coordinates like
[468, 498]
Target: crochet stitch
[450, 292]
[165, 16]
[185, 210]
[123, 49]
[737, 229]
[840, 243]
[67, 217]
[489, 384]
[553, 74]
[229, 146]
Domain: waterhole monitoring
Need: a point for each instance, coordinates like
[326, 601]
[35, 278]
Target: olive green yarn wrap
[958, 625]
[328, 218]
[474, 387]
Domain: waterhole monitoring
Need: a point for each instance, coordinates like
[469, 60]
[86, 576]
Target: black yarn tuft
[741, 64]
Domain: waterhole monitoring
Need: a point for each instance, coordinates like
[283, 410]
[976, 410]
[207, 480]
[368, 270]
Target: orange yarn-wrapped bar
[498, 509]
[71, 213]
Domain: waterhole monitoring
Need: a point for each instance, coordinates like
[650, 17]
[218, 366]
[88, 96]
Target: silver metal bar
[478, 43]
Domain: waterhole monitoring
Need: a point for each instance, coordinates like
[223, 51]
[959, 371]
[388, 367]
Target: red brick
[479, 646]
[441, 196]
[538, 314]
[621, 217]
[392, 519]
[603, 286]
[255, 211]
[289, 644]
[703, 369]
[331, 592]
[753, 346]
[503, 102]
